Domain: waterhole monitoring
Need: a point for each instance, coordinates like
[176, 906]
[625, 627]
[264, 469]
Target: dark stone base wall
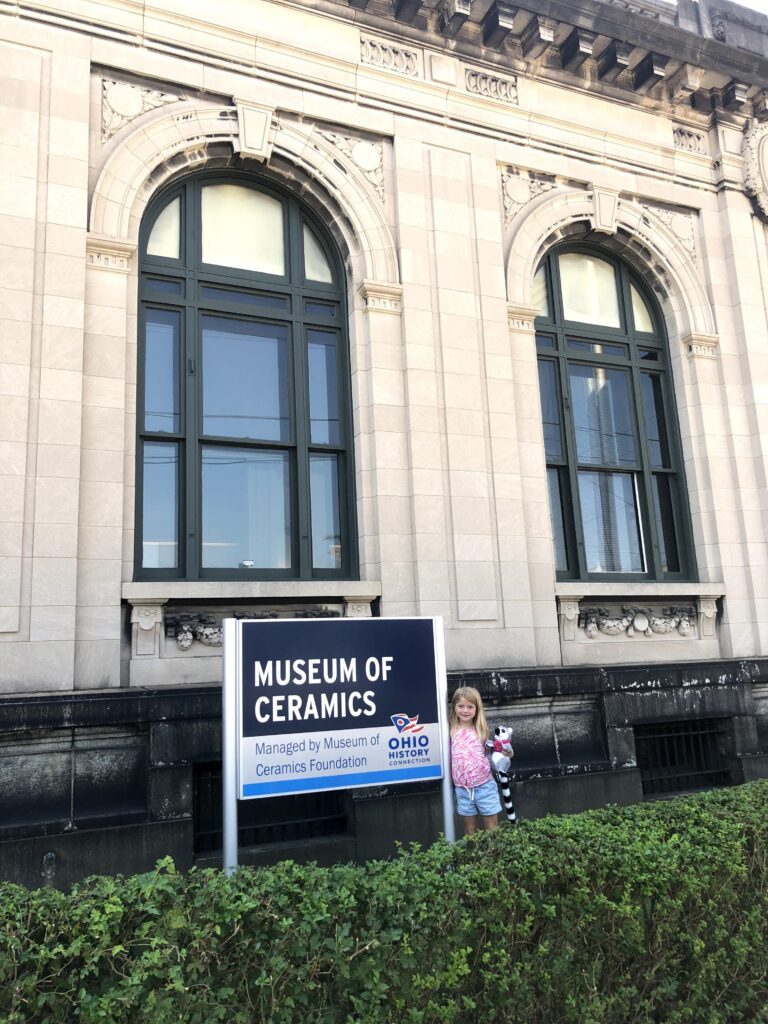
[104, 781]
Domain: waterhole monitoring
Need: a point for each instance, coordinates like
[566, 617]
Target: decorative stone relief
[681, 224]
[108, 254]
[504, 89]
[208, 632]
[633, 621]
[647, 10]
[689, 140]
[123, 102]
[755, 153]
[718, 25]
[382, 54]
[146, 620]
[520, 187]
[368, 157]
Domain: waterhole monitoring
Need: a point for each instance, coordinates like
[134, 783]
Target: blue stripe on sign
[342, 781]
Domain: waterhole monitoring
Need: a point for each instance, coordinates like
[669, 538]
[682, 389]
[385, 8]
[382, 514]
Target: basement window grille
[680, 757]
[262, 822]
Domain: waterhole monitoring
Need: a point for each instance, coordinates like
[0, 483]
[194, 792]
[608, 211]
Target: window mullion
[645, 474]
[574, 536]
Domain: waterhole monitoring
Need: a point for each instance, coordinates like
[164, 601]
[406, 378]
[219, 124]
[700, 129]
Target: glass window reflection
[245, 379]
[246, 509]
[161, 372]
[326, 529]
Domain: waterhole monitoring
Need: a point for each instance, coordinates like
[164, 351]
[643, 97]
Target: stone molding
[255, 137]
[755, 154]
[606, 209]
[160, 146]
[522, 318]
[381, 297]
[639, 232]
[704, 346]
[109, 253]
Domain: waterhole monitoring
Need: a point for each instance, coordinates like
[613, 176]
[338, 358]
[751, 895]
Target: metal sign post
[312, 705]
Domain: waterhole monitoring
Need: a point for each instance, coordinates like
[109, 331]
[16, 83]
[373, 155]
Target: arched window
[243, 412]
[616, 490]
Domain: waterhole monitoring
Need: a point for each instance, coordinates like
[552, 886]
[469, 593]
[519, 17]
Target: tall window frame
[617, 493]
[291, 326]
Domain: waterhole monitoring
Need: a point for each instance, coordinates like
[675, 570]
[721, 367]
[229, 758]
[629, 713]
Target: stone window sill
[146, 591]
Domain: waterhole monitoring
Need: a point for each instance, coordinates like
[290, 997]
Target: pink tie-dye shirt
[469, 765]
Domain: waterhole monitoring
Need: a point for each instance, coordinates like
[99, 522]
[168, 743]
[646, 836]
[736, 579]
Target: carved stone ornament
[632, 622]
[368, 157]
[520, 187]
[382, 54]
[680, 222]
[208, 632]
[503, 89]
[689, 140]
[755, 153]
[123, 102]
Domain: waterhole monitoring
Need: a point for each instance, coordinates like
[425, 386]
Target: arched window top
[244, 438]
[614, 467]
[239, 227]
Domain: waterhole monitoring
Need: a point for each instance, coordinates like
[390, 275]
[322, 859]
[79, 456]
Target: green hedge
[654, 914]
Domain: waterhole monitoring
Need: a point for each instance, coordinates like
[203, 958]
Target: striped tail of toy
[506, 795]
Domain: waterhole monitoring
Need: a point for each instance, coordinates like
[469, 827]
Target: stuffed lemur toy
[500, 754]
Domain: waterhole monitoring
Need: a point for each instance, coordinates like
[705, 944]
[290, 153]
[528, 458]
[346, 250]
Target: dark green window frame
[289, 307]
[648, 471]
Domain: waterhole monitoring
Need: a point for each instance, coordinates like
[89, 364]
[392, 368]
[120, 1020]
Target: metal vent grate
[271, 820]
[678, 757]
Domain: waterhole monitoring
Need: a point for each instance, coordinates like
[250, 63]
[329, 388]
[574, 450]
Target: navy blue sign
[337, 703]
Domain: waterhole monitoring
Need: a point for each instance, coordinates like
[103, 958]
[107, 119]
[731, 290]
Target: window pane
[161, 284]
[159, 515]
[589, 290]
[648, 354]
[640, 312]
[165, 236]
[245, 379]
[316, 267]
[249, 298]
[610, 522]
[161, 372]
[597, 348]
[665, 524]
[246, 509]
[655, 425]
[324, 496]
[323, 388]
[556, 512]
[601, 416]
[541, 292]
[324, 309]
[242, 228]
[550, 410]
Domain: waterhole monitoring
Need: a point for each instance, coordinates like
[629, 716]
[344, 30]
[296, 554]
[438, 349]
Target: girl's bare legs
[490, 821]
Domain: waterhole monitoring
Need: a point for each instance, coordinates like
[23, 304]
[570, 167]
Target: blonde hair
[472, 696]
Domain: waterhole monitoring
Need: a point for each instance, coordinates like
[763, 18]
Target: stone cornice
[104, 253]
[382, 297]
[699, 345]
[521, 318]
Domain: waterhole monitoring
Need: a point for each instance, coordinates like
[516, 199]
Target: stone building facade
[495, 278]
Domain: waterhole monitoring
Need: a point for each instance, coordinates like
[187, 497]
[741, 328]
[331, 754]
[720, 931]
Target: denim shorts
[483, 799]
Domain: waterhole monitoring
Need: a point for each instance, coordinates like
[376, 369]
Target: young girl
[476, 791]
